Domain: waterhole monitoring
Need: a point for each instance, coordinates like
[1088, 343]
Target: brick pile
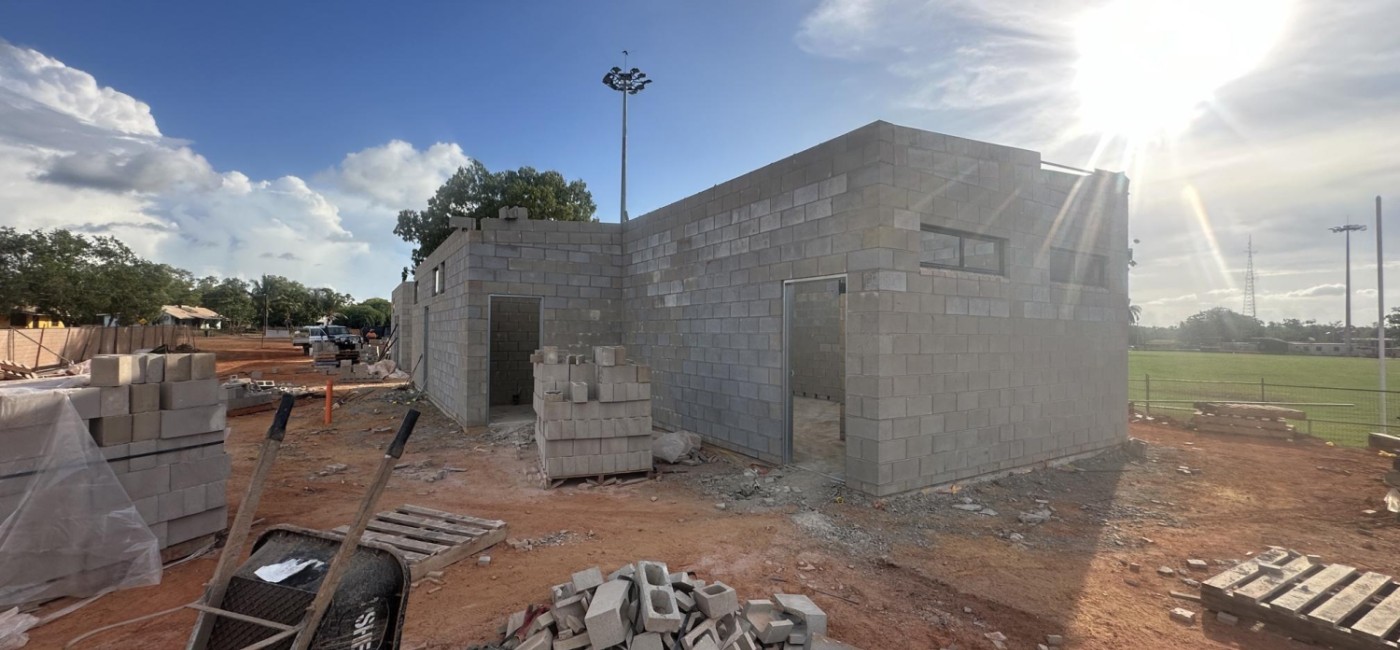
[160, 422]
[592, 417]
[642, 606]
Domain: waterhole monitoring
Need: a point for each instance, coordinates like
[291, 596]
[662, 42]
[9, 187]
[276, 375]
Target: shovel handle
[410, 420]
[279, 421]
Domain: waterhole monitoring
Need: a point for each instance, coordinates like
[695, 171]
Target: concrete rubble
[593, 416]
[160, 421]
[643, 606]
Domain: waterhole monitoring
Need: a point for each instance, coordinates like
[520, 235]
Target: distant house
[28, 318]
[1316, 348]
[196, 317]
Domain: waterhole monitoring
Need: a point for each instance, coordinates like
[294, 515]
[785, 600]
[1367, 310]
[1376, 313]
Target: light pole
[1348, 229]
[629, 82]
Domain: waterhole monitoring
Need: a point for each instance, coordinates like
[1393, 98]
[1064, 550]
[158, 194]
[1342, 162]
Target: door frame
[788, 286]
[539, 335]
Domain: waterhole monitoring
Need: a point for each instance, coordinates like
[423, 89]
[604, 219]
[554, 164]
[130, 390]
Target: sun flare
[1147, 67]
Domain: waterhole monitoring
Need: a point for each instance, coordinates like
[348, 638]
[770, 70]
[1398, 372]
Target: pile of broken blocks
[642, 606]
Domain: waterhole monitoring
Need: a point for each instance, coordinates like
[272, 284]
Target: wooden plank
[1383, 441]
[439, 561]
[1251, 410]
[422, 534]
[1313, 589]
[1243, 431]
[1245, 423]
[432, 524]
[429, 512]
[1245, 570]
[1272, 583]
[395, 541]
[1381, 621]
[1344, 604]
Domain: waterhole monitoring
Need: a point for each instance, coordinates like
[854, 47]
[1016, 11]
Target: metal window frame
[788, 304]
[962, 235]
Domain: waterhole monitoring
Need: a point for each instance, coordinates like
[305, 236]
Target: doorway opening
[515, 335]
[814, 312]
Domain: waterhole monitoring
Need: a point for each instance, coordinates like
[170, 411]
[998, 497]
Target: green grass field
[1338, 394]
[1338, 372]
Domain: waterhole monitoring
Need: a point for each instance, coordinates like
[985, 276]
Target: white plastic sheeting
[74, 531]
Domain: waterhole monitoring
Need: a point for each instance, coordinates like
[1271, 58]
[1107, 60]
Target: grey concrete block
[192, 421]
[111, 430]
[177, 367]
[145, 398]
[189, 394]
[716, 599]
[146, 483]
[152, 368]
[87, 401]
[195, 525]
[111, 370]
[586, 580]
[116, 400]
[605, 619]
[202, 366]
[145, 426]
[803, 609]
[199, 472]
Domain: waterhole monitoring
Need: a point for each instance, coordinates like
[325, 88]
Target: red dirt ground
[906, 589]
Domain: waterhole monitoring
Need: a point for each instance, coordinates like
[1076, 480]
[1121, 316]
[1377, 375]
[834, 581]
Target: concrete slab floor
[512, 413]
[816, 436]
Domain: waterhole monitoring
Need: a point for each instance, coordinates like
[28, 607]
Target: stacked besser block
[592, 417]
[643, 607]
[160, 421]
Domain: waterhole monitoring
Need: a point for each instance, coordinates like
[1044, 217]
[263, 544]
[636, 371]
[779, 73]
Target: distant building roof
[186, 312]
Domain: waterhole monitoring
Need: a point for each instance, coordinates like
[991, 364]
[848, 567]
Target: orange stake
[330, 396]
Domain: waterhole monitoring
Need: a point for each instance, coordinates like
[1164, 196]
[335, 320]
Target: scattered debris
[553, 539]
[1183, 615]
[643, 606]
[1227, 618]
[333, 468]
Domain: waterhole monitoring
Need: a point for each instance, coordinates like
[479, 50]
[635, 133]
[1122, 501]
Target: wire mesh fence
[1342, 415]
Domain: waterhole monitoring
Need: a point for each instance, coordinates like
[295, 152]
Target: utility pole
[629, 82]
[1348, 229]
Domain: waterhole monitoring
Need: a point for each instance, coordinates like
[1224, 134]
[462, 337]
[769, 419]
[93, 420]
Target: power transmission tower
[1249, 280]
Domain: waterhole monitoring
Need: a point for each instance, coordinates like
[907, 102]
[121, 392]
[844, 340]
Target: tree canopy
[478, 193]
[1218, 325]
[78, 279]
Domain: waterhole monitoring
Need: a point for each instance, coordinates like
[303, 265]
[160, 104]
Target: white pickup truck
[338, 334]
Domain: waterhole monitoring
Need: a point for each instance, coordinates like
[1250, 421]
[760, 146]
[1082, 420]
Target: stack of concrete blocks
[592, 417]
[643, 606]
[160, 422]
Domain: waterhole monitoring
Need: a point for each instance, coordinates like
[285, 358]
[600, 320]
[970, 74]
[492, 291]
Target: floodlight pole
[1380, 307]
[628, 82]
[1348, 229]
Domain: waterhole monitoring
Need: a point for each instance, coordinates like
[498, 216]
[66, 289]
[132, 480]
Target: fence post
[1147, 380]
[1261, 390]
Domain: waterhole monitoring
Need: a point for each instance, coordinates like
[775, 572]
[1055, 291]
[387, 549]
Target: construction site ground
[921, 570]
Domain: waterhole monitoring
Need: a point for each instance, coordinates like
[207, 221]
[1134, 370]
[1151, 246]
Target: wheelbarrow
[302, 589]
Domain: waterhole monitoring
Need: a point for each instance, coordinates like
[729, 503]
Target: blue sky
[242, 138]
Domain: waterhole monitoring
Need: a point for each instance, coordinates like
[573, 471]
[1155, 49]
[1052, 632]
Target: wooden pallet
[432, 539]
[1332, 604]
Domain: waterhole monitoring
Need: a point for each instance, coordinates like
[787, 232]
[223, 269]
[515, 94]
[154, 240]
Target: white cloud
[1317, 291]
[397, 176]
[77, 155]
[45, 80]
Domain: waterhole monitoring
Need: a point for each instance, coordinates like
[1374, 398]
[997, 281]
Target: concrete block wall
[818, 340]
[515, 334]
[573, 267]
[975, 373]
[704, 285]
[405, 325]
[949, 374]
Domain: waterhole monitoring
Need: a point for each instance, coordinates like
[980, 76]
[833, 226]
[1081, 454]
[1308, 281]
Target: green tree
[477, 193]
[283, 302]
[232, 299]
[327, 303]
[384, 307]
[1218, 325]
[360, 317]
